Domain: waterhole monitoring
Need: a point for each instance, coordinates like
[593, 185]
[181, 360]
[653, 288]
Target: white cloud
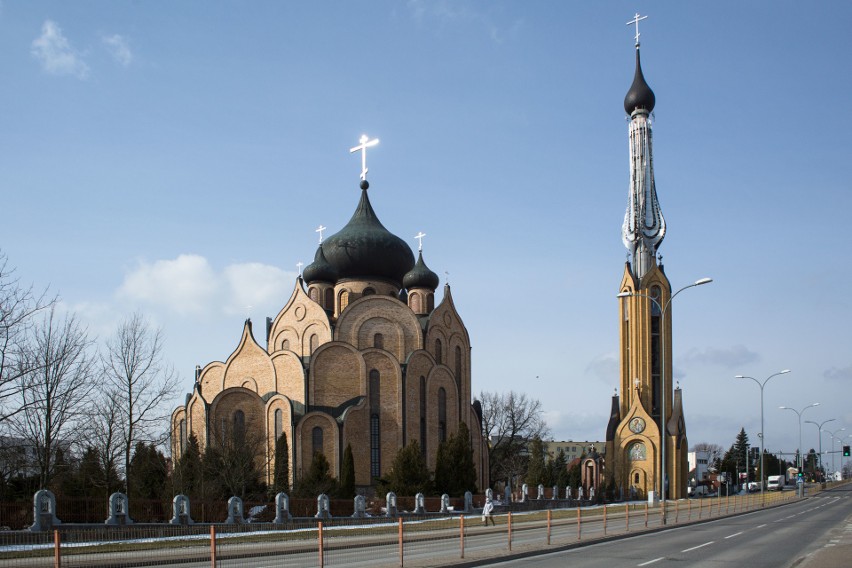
[257, 285]
[605, 369]
[119, 49]
[188, 285]
[56, 54]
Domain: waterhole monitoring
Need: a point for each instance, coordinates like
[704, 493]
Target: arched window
[285, 344]
[438, 351]
[239, 424]
[656, 353]
[423, 416]
[458, 365]
[313, 293]
[375, 424]
[442, 415]
[182, 441]
[329, 299]
[314, 344]
[316, 440]
[344, 300]
[279, 423]
[416, 303]
[368, 292]
[430, 302]
[379, 341]
[636, 478]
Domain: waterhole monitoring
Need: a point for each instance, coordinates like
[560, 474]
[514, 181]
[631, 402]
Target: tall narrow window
[285, 344]
[458, 365]
[379, 341]
[416, 303]
[656, 355]
[423, 416]
[375, 425]
[438, 351]
[316, 440]
[313, 293]
[182, 435]
[239, 424]
[442, 415]
[329, 299]
[279, 423]
[344, 300]
[314, 344]
[430, 302]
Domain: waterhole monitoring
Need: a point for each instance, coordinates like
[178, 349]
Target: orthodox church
[646, 426]
[359, 355]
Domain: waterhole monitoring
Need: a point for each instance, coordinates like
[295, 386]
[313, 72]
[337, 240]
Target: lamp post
[664, 389]
[819, 427]
[833, 436]
[761, 385]
[799, 414]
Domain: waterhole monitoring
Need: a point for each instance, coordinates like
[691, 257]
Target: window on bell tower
[656, 351]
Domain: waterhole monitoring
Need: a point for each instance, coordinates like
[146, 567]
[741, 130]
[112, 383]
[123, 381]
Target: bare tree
[18, 305]
[139, 383]
[715, 452]
[57, 372]
[105, 434]
[509, 421]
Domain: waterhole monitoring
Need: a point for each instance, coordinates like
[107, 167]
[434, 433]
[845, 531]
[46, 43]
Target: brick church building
[359, 355]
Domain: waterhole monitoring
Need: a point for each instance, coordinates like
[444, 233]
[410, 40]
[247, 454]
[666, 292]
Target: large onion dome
[364, 249]
[640, 95]
[319, 270]
[420, 276]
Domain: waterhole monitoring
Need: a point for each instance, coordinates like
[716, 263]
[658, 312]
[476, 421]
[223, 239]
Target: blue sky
[176, 158]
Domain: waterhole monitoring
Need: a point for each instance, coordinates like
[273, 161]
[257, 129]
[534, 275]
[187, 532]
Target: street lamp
[761, 385]
[663, 310]
[799, 414]
[833, 436]
[819, 427]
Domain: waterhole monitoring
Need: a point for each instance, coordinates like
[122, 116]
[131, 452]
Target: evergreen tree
[147, 475]
[409, 474]
[536, 470]
[560, 469]
[188, 470]
[90, 480]
[455, 472]
[281, 474]
[318, 479]
[574, 477]
[347, 475]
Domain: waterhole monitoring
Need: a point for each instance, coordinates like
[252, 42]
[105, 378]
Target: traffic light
[846, 451]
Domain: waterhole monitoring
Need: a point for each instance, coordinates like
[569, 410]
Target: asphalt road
[812, 532]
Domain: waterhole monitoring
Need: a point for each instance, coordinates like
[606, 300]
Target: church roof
[420, 276]
[364, 248]
[320, 270]
[640, 94]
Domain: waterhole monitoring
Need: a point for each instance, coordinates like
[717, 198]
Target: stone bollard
[468, 502]
[235, 512]
[419, 504]
[540, 491]
[390, 504]
[555, 492]
[360, 507]
[445, 503]
[119, 513]
[282, 509]
[524, 493]
[180, 511]
[322, 507]
[44, 511]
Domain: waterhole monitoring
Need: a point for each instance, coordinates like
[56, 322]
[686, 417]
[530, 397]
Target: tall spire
[644, 226]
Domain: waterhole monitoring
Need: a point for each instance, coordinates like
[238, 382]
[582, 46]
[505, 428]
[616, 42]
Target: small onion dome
[364, 249]
[319, 270]
[420, 276]
[640, 94]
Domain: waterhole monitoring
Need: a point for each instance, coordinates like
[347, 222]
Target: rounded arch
[305, 435]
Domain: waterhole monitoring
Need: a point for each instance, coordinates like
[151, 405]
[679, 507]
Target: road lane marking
[760, 526]
[699, 546]
[652, 561]
[733, 535]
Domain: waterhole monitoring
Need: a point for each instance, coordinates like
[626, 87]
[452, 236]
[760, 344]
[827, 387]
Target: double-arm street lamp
[761, 385]
[799, 414]
[833, 436]
[819, 427]
[663, 309]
